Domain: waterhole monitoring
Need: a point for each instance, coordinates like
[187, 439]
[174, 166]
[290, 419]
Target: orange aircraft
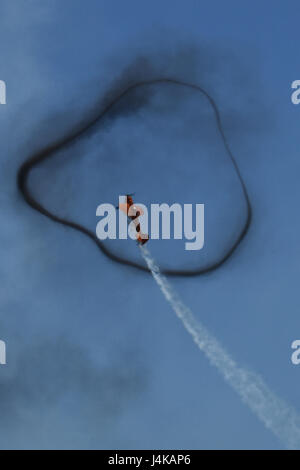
[142, 238]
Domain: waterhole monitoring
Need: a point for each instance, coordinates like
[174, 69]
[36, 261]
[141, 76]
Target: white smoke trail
[276, 415]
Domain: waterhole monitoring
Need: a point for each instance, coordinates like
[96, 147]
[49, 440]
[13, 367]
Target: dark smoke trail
[42, 155]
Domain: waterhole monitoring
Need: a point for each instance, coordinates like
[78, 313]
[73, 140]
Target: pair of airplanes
[137, 211]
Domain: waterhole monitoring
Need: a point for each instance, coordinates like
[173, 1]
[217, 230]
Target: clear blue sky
[96, 358]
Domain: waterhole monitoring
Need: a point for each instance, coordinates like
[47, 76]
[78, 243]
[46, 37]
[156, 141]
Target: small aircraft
[142, 238]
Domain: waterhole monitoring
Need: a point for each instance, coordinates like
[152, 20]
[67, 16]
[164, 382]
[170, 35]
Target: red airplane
[142, 238]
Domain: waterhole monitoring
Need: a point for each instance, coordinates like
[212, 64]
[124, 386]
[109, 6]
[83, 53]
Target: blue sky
[96, 358]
